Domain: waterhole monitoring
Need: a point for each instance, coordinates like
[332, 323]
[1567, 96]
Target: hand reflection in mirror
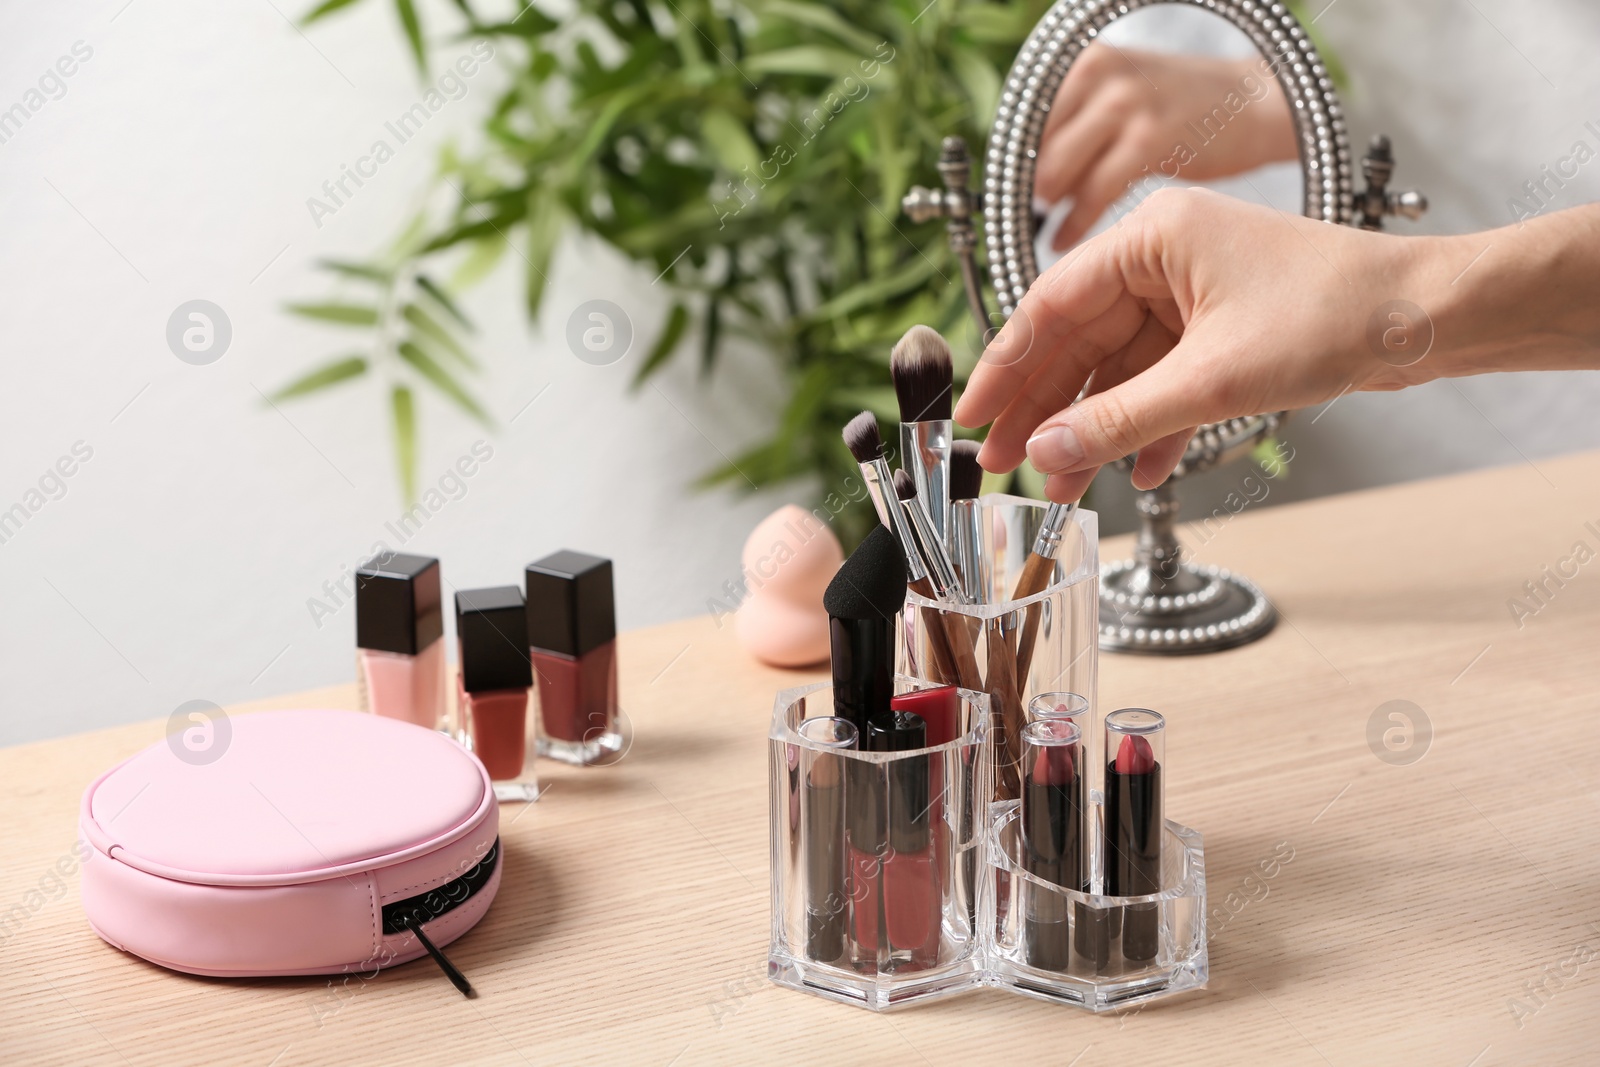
[1126, 118]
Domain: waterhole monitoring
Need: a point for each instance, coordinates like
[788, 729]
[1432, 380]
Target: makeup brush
[865, 442]
[940, 584]
[862, 601]
[1037, 571]
[923, 383]
[965, 535]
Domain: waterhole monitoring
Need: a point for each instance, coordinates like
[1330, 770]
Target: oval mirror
[1105, 104]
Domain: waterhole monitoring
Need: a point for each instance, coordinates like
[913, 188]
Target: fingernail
[1055, 449]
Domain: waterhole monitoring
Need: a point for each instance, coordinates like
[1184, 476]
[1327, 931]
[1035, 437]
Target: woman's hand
[1197, 308]
[1122, 116]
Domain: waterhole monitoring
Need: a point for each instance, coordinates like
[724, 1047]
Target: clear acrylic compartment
[1072, 947]
[878, 878]
[1013, 648]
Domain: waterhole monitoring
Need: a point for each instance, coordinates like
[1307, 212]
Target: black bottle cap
[493, 629]
[571, 606]
[398, 607]
[897, 732]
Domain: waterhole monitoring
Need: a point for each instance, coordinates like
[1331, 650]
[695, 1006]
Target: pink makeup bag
[290, 842]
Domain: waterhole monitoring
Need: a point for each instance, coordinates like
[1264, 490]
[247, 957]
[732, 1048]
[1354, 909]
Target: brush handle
[926, 448]
[938, 637]
[1035, 577]
[1006, 711]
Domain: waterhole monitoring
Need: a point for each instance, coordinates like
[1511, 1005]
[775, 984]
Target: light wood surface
[1421, 903]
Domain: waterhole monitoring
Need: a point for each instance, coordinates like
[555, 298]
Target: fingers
[1111, 178]
[1161, 402]
[1157, 461]
[1058, 381]
[1067, 298]
[1073, 151]
[1065, 488]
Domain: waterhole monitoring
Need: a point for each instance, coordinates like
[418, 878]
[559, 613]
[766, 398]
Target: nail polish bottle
[400, 640]
[495, 690]
[572, 630]
[911, 885]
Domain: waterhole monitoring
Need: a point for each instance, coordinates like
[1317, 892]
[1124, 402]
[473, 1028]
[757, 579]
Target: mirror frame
[1071, 26]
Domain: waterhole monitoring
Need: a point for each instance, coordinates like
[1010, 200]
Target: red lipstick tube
[1135, 823]
[1054, 807]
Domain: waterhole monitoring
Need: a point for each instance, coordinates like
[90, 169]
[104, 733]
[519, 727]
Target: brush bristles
[966, 477]
[923, 375]
[862, 437]
[905, 487]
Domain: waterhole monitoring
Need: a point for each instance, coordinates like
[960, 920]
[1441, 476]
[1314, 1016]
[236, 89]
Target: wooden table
[1445, 910]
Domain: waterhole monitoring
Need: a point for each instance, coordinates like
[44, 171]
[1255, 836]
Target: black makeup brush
[965, 536]
[865, 442]
[923, 383]
[862, 601]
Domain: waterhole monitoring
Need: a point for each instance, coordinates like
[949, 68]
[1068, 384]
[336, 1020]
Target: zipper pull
[457, 979]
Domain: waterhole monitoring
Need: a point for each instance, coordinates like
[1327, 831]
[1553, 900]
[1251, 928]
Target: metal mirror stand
[1154, 603]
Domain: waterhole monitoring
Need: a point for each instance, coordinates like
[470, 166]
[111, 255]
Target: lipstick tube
[572, 630]
[400, 664]
[496, 685]
[1134, 822]
[822, 833]
[1053, 813]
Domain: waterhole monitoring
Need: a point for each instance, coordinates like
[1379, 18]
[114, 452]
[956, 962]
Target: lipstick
[1054, 806]
[1134, 818]
[862, 601]
[822, 829]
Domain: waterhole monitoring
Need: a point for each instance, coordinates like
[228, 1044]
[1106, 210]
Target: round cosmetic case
[290, 842]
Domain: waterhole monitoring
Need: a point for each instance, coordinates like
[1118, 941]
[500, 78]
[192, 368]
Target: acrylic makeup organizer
[886, 928]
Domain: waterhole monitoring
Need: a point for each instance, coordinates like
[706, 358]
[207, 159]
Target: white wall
[181, 559]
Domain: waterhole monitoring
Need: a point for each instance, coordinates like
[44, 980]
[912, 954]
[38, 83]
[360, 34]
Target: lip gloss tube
[572, 630]
[400, 640]
[1134, 823]
[822, 829]
[495, 687]
[1054, 803]
[912, 890]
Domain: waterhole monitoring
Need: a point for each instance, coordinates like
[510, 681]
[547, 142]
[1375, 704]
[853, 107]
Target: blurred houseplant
[753, 153]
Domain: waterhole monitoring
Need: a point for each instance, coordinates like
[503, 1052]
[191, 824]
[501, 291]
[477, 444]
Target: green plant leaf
[480, 262]
[407, 11]
[443, 338]
[529, 23]
[343, 314]
[331, 373]
[405, 440]
[814, 59]
[443, 299]
[324, 9]
[357, 270]
[429, 368]
[825, 19]
[730, 141]
[666, 343]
